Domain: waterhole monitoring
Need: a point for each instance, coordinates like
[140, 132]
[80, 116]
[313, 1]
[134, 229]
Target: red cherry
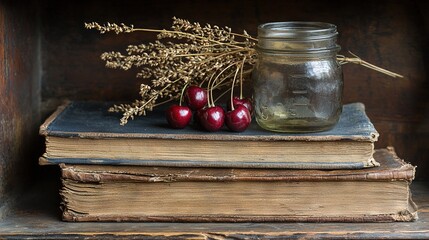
[241, 101]
[211, 118]
[196, 97]
[238, 119]
[178, 116]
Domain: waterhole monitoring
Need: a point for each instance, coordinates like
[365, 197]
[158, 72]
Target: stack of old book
[145, 171]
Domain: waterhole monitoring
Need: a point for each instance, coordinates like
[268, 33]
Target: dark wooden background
[20, 98]
[47, 56]
[390, 34]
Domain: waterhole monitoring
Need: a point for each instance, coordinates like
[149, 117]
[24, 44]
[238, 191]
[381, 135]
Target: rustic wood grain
[19, 97]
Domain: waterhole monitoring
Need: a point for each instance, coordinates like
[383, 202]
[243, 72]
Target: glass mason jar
[297, 81]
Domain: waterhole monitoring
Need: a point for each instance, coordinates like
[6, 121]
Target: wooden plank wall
[390, 34]
[19, 97]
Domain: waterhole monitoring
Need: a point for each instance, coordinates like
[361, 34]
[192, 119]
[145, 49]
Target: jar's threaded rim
[297, 30]
[298, 37]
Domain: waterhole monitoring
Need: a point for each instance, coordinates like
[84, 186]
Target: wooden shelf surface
[37, 216]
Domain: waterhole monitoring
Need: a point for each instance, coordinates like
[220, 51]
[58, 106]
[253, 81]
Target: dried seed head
[187, 54]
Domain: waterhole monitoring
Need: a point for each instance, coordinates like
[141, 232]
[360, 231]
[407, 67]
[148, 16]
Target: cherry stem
[241, 78]
[222, 84]
[219, 56]
[214, 81]
[208, 88]
[181, 93]
[232, 88]
[220, 81]
[222, 94]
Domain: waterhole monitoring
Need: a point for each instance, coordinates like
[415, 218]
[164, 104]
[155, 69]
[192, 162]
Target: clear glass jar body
[297, 81]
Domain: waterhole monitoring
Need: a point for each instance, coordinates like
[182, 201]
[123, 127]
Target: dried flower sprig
[357, 60]
[207, 55]
[202, 52]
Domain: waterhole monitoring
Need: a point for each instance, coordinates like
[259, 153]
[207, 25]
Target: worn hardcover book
[139, 193]
[85, 133]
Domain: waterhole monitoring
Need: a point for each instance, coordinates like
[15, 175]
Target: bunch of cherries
[210, 116]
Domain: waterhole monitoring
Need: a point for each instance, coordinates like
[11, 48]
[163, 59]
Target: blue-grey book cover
[86, 133]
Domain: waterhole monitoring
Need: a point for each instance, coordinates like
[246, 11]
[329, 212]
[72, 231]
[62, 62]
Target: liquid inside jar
[297, 81]
[298, 97]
